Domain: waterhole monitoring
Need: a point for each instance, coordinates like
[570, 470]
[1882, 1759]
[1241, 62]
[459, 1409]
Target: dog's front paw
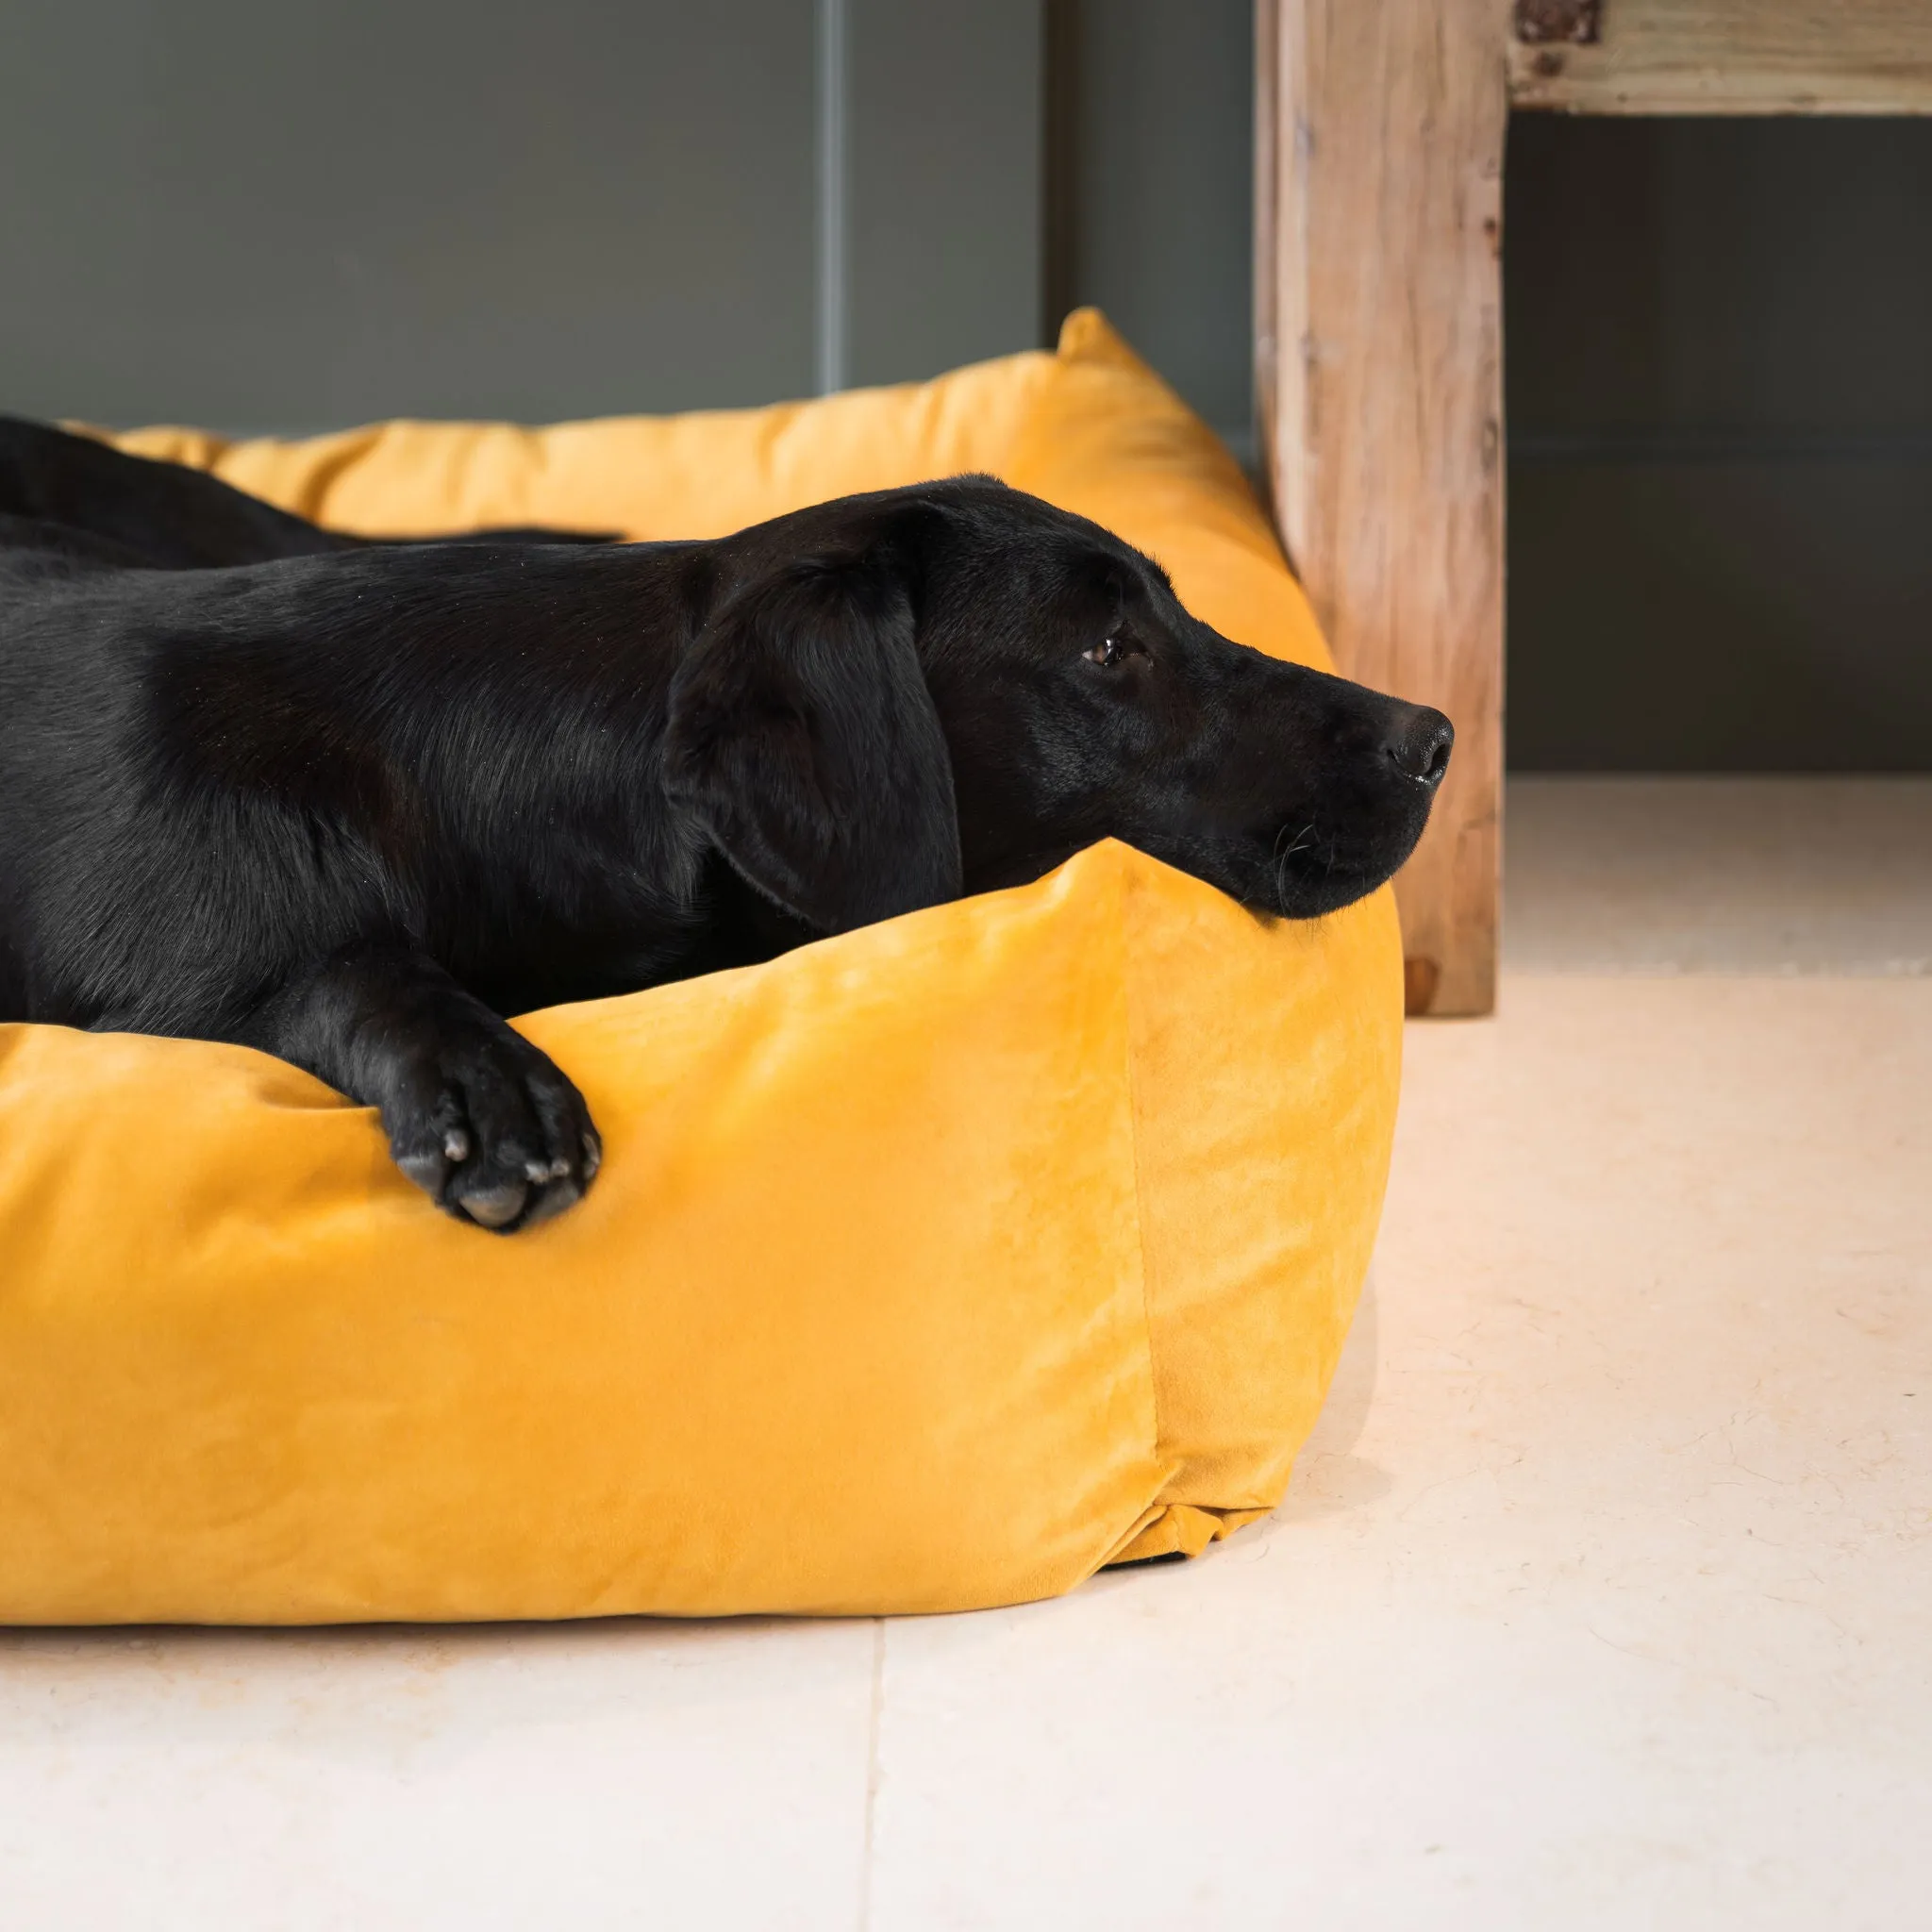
[493, 1131]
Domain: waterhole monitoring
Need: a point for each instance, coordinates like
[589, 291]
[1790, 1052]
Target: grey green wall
[311, 213]
[1151, 187]
[317, 211]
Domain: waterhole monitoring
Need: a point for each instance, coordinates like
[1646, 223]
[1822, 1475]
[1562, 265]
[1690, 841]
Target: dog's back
[170, 516]
[167, 515]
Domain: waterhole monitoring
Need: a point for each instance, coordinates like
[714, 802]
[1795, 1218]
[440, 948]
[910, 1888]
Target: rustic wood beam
[1380, 380]
[1729, 57]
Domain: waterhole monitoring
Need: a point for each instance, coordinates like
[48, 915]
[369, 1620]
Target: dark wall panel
[1718, 357]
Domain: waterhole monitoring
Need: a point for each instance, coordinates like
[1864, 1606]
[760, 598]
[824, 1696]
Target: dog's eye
[1109, 652]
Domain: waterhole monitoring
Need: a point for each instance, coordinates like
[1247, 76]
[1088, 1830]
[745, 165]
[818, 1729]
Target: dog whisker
[1281, 859]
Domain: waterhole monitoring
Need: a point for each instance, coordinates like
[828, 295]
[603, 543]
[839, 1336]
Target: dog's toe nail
[455, 1145]
[495, 1206]
[536, 1172]
[559, 1168]
[593, 1155]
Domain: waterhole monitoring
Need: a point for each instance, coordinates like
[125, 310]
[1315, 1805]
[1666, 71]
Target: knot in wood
[1577, 22]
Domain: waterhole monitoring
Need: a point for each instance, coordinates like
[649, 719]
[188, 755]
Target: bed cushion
[932, 1266]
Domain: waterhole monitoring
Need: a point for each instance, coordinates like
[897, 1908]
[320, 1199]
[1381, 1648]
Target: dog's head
[898, 697]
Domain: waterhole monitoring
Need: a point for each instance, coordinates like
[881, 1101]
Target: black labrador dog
[352, 804]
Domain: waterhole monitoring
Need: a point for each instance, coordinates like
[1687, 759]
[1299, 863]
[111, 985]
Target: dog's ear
[801, 733]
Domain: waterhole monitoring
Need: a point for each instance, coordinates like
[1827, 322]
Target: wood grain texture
[1267, 184]
[1380, 379]
[1738, 57]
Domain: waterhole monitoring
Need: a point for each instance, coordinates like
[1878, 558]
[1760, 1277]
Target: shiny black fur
[355, 807]
[175, 517]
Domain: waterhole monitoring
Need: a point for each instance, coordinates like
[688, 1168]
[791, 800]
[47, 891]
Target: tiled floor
[1739, 876]
[1599, 1599]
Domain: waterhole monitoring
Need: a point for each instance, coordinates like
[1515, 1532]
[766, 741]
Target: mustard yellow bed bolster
[932, 1266]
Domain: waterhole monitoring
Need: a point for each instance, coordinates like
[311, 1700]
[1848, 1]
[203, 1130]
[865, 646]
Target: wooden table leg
[1379, 343]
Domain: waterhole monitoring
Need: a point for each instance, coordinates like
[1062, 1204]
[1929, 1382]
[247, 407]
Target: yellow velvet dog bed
[932, 1266]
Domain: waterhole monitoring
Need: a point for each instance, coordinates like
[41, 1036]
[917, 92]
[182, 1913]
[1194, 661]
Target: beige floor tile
[1719, 875]
[601, 1775]
[1601, 1599]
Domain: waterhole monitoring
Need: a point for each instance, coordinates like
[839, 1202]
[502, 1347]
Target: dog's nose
[1418, 744]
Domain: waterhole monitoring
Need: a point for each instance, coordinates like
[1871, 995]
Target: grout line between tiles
[872, 1768]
